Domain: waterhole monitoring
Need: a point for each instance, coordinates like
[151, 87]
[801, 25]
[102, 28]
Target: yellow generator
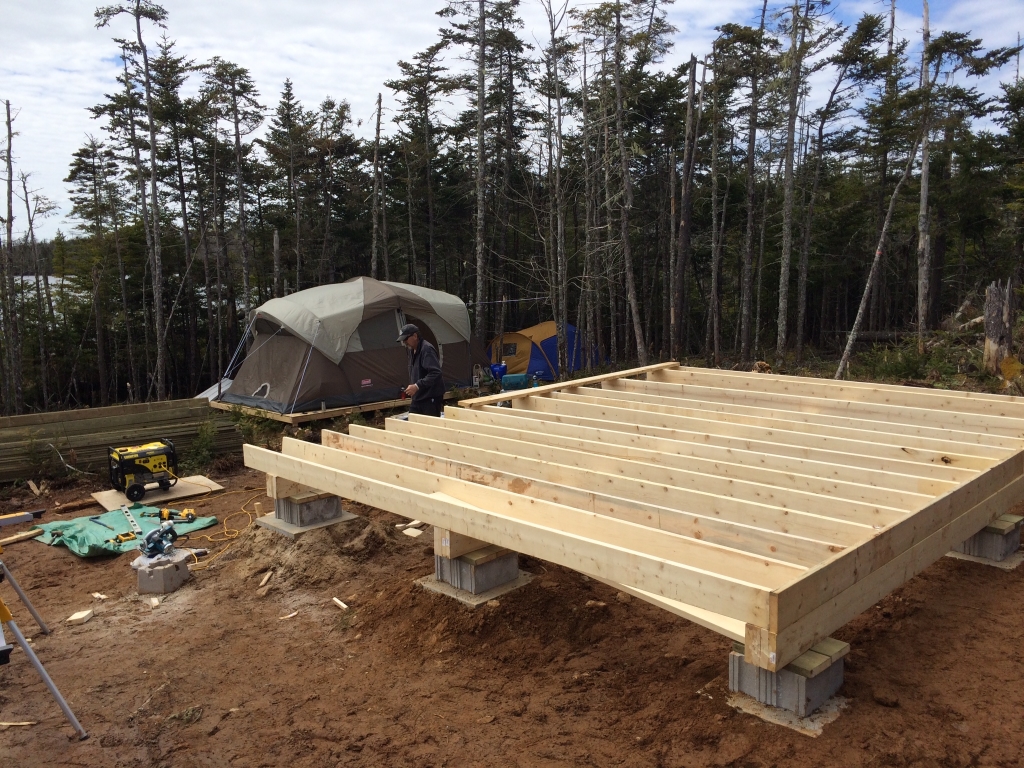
[134, 467]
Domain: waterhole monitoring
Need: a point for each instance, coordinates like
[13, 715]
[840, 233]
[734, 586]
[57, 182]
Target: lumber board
[521, 394]
[23, 536]
[517, 527]
[809, 439]
[713, 558]
[451, 544]
[907, 465]
[697, 479]
[863, 492]
[617, 443]
[839, 573]
[686, 500]
[819, 623]
[786, 547]
[51, 417]
[716, 622]
[863, 391]
[654, 393]
[305, 417]
[989, 424]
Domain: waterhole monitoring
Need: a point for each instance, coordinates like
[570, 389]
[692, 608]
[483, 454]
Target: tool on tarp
[133, 534]
[96, 519]
[185, 516]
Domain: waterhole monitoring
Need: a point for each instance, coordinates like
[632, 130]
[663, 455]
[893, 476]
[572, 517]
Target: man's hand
[412, 389]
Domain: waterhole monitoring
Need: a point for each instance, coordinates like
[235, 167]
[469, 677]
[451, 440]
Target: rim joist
[771, 509]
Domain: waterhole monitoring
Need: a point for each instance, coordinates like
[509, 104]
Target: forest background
[797, 179]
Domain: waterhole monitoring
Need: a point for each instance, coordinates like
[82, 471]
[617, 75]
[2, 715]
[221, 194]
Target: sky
[54, 63]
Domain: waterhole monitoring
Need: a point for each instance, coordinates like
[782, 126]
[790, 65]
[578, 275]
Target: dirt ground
[216, 677]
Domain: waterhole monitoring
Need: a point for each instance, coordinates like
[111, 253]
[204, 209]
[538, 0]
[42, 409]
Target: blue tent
[534, 350]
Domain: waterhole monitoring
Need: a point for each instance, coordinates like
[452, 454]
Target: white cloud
[56, 64]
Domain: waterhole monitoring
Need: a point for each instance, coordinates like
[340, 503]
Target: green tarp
[87, 538]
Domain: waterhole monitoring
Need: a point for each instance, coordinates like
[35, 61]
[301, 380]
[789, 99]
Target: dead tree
[999, 319]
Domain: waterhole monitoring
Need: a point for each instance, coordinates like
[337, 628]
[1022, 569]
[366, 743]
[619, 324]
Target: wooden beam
[897, 420]
[837, 574]
[775, 545]
[451, 544]
[279, 488]
[619, 443]
[879, 450]
[519, 394]
[861, 391]
[519, 526]
[307, 416]
[820, 622]
[713, 558]
[761, 515]
[925, 467]
[863, 492]
[23, 536]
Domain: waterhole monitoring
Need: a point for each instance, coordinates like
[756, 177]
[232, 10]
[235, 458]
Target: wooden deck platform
[771, 509]
[306, 416]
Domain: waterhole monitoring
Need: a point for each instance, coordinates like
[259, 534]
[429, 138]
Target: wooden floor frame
[771, 509]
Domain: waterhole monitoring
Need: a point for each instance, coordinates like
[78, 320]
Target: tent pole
[305, 365]
[238, 349]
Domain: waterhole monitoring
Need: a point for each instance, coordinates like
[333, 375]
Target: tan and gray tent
[334, 345]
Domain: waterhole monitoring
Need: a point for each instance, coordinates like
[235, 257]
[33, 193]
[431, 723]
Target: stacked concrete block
[801, 687]
[996, 541]
[479, 571]
[162, 579]
[308, 508]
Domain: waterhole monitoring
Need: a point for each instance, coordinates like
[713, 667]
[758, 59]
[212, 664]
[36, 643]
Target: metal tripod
[5, 649]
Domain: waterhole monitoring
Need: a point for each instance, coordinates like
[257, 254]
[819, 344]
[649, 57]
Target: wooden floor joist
[771, 509]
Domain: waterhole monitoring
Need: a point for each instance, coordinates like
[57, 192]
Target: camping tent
[534, 350]
[334, 345]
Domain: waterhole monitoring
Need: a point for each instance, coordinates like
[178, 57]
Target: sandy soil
[215, 676]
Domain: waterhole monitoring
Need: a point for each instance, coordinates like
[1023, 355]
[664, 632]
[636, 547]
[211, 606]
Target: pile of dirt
[318, 557]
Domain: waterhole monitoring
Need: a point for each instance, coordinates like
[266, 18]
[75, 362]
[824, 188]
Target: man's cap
[407, 330]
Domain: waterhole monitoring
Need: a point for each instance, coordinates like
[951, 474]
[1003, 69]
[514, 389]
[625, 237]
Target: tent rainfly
[534, 350]
[334, 345]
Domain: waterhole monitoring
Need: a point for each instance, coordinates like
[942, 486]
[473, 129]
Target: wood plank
[701, 554]
[869, 447]
[716, 622]
[451, 544]
[687, 501]
[872, 494]
[863, 391]
[837, 574]
[519, 526]
[618, 443]
[826, 618]
[519, 394]
[280, 488]
[23, 536]
[307, 416]
[997, 432]
[832, 506]
[914, 464]
[786, 547]
[52, 417]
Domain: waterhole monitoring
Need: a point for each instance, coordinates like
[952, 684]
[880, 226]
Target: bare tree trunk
[481, 94]
[41, 317]
[158, 279]
[923, 237]
[1000, 316]
[685, 214]
[413, 279]
[796, 44]
[627, 196]
[873, 274]
[240, 188]
[374, 258]
[277, 263]
[101, 342]
[15, 397]
[561, 265]
[386, 241]
[748, 243]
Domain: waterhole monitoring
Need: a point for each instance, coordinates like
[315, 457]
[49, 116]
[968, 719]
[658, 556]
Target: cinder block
[786, 689]
[308, 508]
[478, 571]
[162, 579]
[996, 541]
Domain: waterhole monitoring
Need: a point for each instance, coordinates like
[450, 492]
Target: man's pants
[431, 407]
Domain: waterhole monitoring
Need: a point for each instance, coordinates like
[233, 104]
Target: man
[427, 388]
